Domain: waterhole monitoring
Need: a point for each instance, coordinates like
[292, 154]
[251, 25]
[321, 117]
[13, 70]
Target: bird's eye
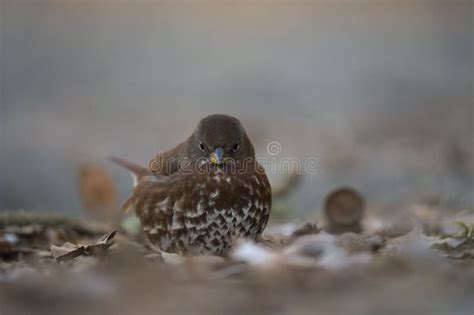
[202, 146]
[236, 147]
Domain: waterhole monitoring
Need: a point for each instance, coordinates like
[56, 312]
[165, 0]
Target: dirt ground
[55, 265]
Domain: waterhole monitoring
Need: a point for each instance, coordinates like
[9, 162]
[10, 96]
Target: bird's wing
[152, 201]
[167, 163]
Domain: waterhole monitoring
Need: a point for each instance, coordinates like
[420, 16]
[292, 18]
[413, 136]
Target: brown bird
[205, 193]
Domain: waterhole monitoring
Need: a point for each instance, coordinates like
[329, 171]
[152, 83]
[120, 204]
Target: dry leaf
[70, 251]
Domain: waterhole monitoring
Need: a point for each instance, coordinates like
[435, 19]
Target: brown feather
[198, 211]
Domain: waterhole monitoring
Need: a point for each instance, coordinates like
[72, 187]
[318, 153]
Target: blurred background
[380, 92]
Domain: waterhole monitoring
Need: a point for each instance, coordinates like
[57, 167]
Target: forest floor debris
[294, 269]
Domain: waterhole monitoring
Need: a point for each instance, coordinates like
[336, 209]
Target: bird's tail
[137, 171]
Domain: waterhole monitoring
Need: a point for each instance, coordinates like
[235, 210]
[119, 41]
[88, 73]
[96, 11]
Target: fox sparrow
[206, 192]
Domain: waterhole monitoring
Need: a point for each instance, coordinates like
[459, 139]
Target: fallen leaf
[69, 251]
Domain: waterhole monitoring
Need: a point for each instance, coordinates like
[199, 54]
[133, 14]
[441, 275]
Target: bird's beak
[217, 156]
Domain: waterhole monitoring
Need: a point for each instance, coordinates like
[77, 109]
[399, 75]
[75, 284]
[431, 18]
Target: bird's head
[219, 139]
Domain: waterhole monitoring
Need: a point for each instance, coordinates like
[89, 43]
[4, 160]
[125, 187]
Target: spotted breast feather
[195, 214]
